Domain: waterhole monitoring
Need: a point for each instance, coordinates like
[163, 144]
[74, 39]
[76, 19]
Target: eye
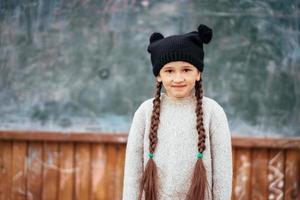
[186, 70]
[169, 71]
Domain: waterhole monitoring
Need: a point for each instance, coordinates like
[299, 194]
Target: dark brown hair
[199, 178]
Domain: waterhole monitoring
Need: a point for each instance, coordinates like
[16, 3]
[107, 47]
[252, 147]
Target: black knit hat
[187, 47]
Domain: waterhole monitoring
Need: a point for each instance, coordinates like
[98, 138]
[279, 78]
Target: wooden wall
[83, 166]
[266, 169]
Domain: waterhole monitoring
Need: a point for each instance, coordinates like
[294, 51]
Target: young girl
[179, 143]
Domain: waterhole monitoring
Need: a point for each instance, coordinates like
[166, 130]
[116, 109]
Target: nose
[178, 78]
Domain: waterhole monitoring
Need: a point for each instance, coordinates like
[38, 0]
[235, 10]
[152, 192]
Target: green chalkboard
[83, 65]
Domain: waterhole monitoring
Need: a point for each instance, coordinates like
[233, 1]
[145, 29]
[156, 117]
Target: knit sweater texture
[176, 151]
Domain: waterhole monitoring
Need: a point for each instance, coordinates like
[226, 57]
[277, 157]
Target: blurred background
[83, 65]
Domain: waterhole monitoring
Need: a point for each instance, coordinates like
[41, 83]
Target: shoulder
[215, 110]
[217, 113]
[212, 105]
[147, 103]
[145, 106]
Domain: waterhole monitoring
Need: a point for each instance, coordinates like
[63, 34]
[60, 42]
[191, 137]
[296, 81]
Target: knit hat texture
[187, 47]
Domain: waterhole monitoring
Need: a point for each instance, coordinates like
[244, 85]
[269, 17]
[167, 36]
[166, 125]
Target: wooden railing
[48, 165]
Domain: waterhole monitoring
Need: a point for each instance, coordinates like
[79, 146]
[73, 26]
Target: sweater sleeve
[221, 155]
[134, 156]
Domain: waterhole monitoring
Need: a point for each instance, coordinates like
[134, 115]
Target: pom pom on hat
[155, 36]
[205, 33]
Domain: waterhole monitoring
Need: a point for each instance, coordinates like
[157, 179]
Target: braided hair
[199, 179]
[148, 182]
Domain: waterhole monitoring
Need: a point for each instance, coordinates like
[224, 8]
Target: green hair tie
[150, 155]
[199, 155]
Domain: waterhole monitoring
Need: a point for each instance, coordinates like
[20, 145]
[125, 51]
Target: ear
[158, 78]
[198, 76]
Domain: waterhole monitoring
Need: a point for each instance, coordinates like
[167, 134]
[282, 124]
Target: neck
[191, 94]
[188, 98]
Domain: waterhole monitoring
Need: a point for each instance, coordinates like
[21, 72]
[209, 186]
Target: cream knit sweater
[176, 151]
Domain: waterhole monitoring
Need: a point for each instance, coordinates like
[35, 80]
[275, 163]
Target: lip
[178, 86]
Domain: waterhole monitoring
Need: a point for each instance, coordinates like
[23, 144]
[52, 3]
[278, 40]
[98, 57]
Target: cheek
[195, 77]
[166, 78]
[192, 81]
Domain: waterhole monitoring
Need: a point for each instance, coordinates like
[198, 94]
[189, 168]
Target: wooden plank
[67, 171]
[19, 169]
[121, 137]
[98, 167]
[243, 170]
[120, 150]
[266, 142]
[82, 177]
[64, 136]
[5, 170]
[110, 171]
[50, 171]
[259, 174]
[292, 175]
[234, 150]
[276, 174]
[34, 175]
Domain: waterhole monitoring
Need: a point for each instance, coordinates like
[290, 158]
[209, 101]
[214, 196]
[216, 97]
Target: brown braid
[149, 177]
[199, 112]
[199, 178]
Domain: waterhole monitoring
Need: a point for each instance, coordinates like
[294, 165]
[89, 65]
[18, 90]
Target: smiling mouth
[179, 86]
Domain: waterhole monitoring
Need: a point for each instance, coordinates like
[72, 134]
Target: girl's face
[178, 78]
